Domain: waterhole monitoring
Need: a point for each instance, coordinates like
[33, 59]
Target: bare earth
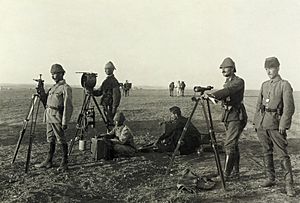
[140, 178]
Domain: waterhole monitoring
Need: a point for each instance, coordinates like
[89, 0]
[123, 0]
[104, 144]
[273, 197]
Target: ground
[140, 178]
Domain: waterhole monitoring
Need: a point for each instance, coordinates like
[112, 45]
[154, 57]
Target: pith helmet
[271, 62]
[175, 110]
[56, 68]
[228, 62]
[119, 117]
[110, 65]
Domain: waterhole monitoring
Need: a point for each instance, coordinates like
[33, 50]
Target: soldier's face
[227, 71]
[173, 116]
[57, 76]
[272, 72]
[109, 71]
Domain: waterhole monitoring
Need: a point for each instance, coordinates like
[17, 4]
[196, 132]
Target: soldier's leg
[267, 145]
[231, 143]
[47, 163]
[123, 150]
[61, 139]
[280, 147]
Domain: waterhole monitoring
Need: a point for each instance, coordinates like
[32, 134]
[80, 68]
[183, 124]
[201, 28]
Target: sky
[151, 42]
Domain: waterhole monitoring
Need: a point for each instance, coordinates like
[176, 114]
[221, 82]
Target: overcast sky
[151, 42]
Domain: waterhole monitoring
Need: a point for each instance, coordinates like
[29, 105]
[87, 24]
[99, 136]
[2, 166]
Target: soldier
[234, 116]
[172, 131]
[121, 138]
[126, 88]
[178, 91]
[182, 87]
[171, 89]
[274, 110]
[59, 108]
[110, 92]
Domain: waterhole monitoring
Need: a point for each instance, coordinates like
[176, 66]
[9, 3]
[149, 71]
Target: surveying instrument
[87, 114]
[32, 118]
[203, 98]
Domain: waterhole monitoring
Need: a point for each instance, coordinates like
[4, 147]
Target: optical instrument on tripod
[87, 114]
[208, 118]
[32, 118]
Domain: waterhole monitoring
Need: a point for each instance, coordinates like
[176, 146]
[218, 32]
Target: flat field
[136, 179]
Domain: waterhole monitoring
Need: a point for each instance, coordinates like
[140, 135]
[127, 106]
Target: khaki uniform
[234, 115]
[58, 111]
[275, 108]
[111, 96]
[125, 144]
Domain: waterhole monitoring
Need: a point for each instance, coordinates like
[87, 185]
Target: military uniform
[124, 145]
[111, 94]
[58, 111]
[274, 110]
[171, 89]
[234, 116]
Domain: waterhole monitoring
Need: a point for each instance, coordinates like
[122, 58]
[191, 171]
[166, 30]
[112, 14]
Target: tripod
[82, 124]
[209, 123]
[32, 118]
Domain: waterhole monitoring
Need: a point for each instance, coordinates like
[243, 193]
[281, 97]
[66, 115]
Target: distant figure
[273, 117]
[178, 92]
[171, 89]
[182, 87]
[110, 92]
[126, 88]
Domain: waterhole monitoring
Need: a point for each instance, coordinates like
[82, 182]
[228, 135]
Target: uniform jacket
[232, 96]
[110, 91]
[123, 134]
[275, 105]
[59, 106]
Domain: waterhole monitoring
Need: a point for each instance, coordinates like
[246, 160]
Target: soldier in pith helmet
[59, 108]
[234, 116]
[110, 92]
[273, 117]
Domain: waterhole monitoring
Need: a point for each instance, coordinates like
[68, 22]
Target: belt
[270, 110]
[55, 108]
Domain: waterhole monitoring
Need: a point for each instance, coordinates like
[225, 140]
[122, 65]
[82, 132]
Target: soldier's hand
[64, 127]
[282, 130]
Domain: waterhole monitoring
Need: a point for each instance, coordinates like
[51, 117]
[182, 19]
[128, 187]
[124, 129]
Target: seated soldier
[121, 138]
[172, 131]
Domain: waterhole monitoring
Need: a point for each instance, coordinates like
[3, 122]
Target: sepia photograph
[149, 101]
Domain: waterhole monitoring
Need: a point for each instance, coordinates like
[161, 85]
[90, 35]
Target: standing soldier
[178, 88]
[182, 87]
[171, 89]
[274, 110]
[110, 92]
[59, 108]
[234, 116]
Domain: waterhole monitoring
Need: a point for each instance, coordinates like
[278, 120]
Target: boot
[64, 162]
[229, 161]
[236, 167]
[270, 171]
[47, 163]
[288, 176]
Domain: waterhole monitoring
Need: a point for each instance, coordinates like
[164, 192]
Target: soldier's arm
[98, 92]
[116, 96]
[233, 87]
[288, 107]
[258, 105]
[68, 106]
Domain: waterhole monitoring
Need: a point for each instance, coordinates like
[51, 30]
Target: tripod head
[40, 85]
[88, 80]
[202, 89]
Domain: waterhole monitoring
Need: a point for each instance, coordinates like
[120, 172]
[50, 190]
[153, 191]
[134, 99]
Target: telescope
[88, 80]
[202, 89]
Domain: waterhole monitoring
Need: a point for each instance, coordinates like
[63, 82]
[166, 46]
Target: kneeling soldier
[59, 108]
